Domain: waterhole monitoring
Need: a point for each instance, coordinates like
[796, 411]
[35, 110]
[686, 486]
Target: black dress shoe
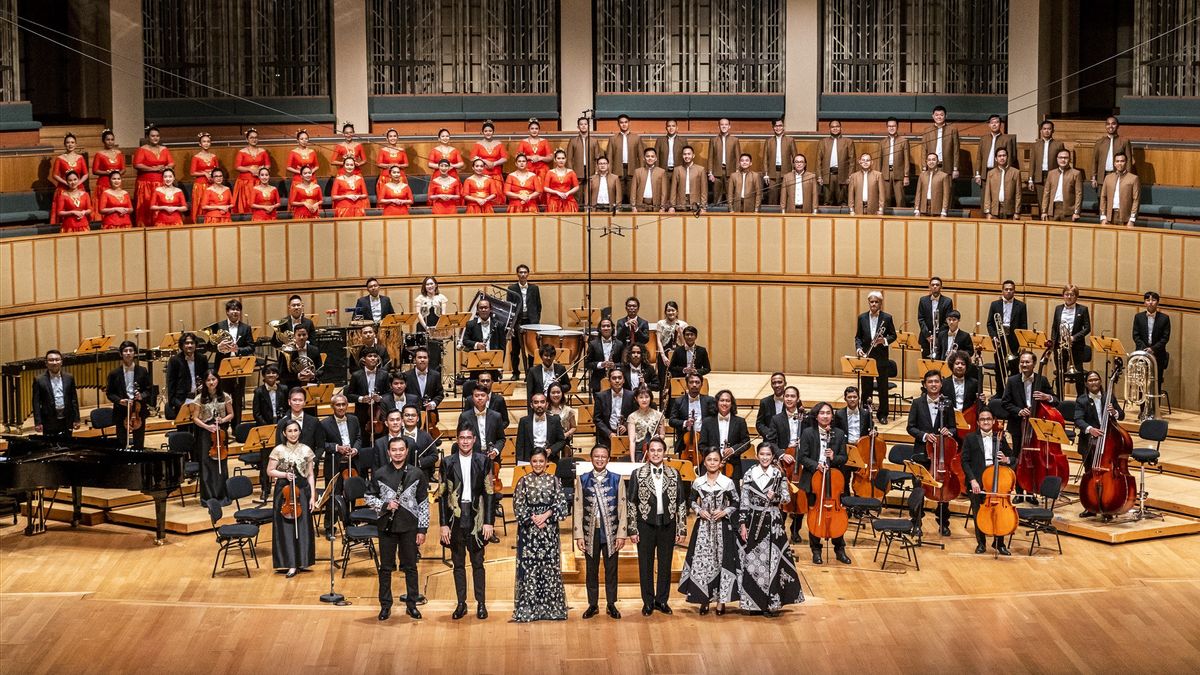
[495, 539]
[817, 558]
[944, 530]
[720, 611]
[413, 612]
[647, 610]
[460, 611]
[663, 607]
[1002, 549]
[591, 611]
[613, 612]
[384, 613]
[704, 609]
[796, 539]
[882, 418]
[980, 548]
[842, 557]
[481, 612]
[1087, 514]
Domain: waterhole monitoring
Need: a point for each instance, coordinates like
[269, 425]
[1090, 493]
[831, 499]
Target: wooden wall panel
[346, 257]
[1150, 260]
[620, 249]
[845, 250]
[820, 246]
[521, 244]
[7, 273]
[1104, 275]
[918, 244]
[795, 234]
[894, 249]
[66, 268]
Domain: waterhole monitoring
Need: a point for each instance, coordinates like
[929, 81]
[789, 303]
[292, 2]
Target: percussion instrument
[529, 336]
[571, 341]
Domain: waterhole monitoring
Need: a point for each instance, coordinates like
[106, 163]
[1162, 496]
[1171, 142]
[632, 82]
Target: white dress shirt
[464, 463]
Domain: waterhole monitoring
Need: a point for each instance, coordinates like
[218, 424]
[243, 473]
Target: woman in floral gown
[539, 505]
[710, 571]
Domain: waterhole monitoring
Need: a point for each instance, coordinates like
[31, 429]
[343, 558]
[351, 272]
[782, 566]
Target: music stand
[491, 359]
[260, 438]
[170, 341]
[860, 368]
[581, 316]
[455, 322]
[1049, 431]
[186, 414]
[906, 342]
[96, 345]
[922, 476]
[1111, 347]
[504, 388]
[679, 386]
[1030, 340]
[926, 365]
[406, 321]
[983, 345]
[237, 366]
[316, 395]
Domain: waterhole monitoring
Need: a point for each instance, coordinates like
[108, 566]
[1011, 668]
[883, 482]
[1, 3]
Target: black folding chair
[1040, 519]
[238, 535]
[907, 531]
[867, 509]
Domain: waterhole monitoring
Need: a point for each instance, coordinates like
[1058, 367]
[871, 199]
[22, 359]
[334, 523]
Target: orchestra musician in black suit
[129, 385]
[526, 300]
[398, 394]
[540, 430]
[311, 433]
[925, 314]
[963, 390]
[293, 372]
[690, 408]
[268, 405]
[55, 400]
[1089, 407]
[875, 331]
[1021, 392]
[604, 353]
[854, 419]
[981, 449]
[240, 343]
[424, 382]
[185, 373]
[540, 377]
[822, 448]
[423, 449]
[367, 386]
[343, 437]
[770, 405]
[784, 431]
[929, 417]
[632, 328]
[1080, 327]
[637, 372]
[1014, 316]
[726, 431]
[495, 400]
[1151, 332]
[951, 339]
[485, 332]
[294, 319]
[611, 408]
[373, 306]
[689, 358]
[486, 423]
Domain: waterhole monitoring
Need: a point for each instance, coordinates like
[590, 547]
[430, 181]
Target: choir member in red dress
[444, 191]
[523, 188]
[216, 201]
[105, 162]
[264, 200]
[247, 163]
[301, 156]
[394, 196]
[491, 151]
[389, 155]
[537, 150]
[561, 186]
[349, 192]
[115, 205]
[349, 148]
[150, 161]
[443, 150]
[73, 206]
[306, 196]
[66, 162]
[168, 204]
[203, 163]
[480, 191]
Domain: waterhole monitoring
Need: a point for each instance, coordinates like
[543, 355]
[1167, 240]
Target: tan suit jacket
[659, 187]
[673, 150]
[1006, 141]
[575, 154]
[733, 149]
[1100, 156]
[787, 153]
[679, 184]
[1130, 193]
[635, 154]
[1072, 180]
[950, 143]
[874, 196]
[846, 158]
[614, 188]
[787, 192]
[1012, 192]
[1035, 157]
[752, 183]
[900, 167]
[941, 193]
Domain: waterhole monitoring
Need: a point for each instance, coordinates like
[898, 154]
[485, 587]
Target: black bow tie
[657, 471]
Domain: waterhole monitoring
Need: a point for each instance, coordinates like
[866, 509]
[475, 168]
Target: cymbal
[137, 331]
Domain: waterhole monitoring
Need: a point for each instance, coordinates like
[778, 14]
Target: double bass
[945, 462]
[1107, 488]
[1039, 458]
[997, 517]
[870, 451]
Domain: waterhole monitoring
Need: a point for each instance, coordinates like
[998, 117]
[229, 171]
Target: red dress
[147, 181]
[298, 159]
[263, 195]
[102, 165]
[301, 194]
[556, 204]
[349, 184]
[80, 201]
[164, 196]
[342, 151]
[453, 156]
[447, 187]
[478, 189]
[247, 162]
[531, 184]
[204, 167]
[496, 154]
[115, 221]
[542, 148]
[386, 156]
[59, 169]
[399, 190]
[213, 195]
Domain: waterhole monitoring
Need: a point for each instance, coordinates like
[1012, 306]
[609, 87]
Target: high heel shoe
[291, 573]
[704, 609]
[720, 609]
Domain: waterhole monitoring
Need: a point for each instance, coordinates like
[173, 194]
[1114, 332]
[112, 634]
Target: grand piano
[34, 463]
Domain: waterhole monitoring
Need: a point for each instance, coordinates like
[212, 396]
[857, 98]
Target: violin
[1107, 487]
[997, 517]
[827, 517]
[219, 450]
[870, 451]
[432, 418]
[727, 464]
[376, 424]
[691, 442]
[945, 465]
[133, 412]
[289, 505]
[798, 504]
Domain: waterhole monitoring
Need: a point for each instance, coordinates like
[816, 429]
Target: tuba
[1141, 383]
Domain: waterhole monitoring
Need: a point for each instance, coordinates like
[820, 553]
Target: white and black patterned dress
[768, 580]
[710, 571]
[539, 590]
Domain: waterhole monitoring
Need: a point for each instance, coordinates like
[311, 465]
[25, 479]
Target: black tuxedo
[359, 386]
[960, 343]
[656, 532]
[244, 344]
[595, 357]
[473, 334]
[433, 386]
[779, 432]
[602, 414]
[333, 438]
[920, 422]
[1013, 400]
[264, 412]
[398, 528]
[535, 380]
[862, 340]
[1018, 319]
[362, 308]
[737, 438]
[1086, 418]
[841, 421]
[925, 318]
[974, 463]
[649, 377]
[766, 412]
[495, 402]
[555, 438]
[389, 403]
[466, 530]
[493, 430]
[1158, 344]
[641, 335]
[699, 361]
[530, 312]
[809, 455]
[115, 390]
[180, 384]
[46, 414]
[1081, 350]
[971, 391]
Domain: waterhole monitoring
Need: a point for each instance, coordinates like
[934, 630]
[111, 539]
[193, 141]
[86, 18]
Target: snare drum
[570, 341]
[529, 335]
[413, 342]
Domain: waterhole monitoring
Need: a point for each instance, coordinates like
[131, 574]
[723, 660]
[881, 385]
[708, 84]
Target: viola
[827, 518]
[219, 449]
[997, 517]
[691, 442]
[945, 465]
[1039, 458]
[1107, 487]
[735, 456]
[376, 426]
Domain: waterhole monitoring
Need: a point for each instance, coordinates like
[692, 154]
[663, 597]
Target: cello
[1039, 458]
[827, 518]
[797, 501]
[997, 517]
[1107, 487]
[870, 451]
[945, 463]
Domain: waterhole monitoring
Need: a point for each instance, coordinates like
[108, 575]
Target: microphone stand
[333, 597]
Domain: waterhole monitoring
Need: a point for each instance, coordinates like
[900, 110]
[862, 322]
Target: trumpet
[1141, 383]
